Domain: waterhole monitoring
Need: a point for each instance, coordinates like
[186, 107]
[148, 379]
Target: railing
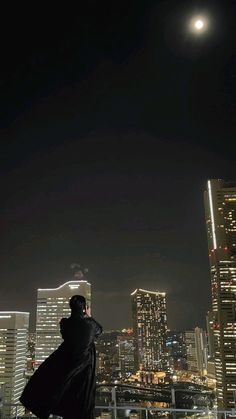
[115, 412]
[133, 412]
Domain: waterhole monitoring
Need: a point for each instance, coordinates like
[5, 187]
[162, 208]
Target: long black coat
[64, 384]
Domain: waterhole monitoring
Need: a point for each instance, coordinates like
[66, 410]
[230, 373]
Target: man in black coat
[64, 384]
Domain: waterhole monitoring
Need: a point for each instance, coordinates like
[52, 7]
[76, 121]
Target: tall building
[126, 353]
[220, 209]
[52, 305]
[210, 346]
[210, 335]
[150, 330]
[108, 356]
[196, 346]
[176, 348]
[14, 327]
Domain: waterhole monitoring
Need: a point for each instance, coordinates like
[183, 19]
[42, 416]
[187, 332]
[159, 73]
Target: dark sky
[113, 117]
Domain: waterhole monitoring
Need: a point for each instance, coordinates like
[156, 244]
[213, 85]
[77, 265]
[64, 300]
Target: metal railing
[132, 412]
[114, 408]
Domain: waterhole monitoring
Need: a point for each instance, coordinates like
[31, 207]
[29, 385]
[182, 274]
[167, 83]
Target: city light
[112, 122]
[150, 353]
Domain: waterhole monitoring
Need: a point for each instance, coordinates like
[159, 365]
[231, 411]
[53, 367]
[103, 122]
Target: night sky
[113, 117]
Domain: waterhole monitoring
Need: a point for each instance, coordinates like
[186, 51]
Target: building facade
[14, 328]
[126, 353]
[196, 347]
[210, 346]
[52, 305]
[176, 348]
[210, 335]
[108, 356]
[150, 330]
[220, 209]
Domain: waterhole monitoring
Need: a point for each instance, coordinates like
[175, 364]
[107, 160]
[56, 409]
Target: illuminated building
[196, 346]
[52, 305]
[150, 329]
[14, 328]
[210, 347]
[220, 208]
[108, 356]
[176, 348]
[210, 335]
[126, 353]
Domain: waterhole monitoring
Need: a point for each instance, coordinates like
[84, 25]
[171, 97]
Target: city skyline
[117, 127]
[150, 350]
[110, 127]
[128, 323]
[79, 272]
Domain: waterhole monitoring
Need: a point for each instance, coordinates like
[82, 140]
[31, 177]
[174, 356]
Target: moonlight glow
[198, 24]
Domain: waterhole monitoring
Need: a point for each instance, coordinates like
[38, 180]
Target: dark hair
[78, 303]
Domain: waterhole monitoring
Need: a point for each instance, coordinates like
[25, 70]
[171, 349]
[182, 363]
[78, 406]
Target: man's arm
[97, 328]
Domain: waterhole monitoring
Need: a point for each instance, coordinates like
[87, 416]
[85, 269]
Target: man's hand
[88, 311]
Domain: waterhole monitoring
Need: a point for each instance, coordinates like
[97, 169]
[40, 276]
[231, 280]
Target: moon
[199, 24]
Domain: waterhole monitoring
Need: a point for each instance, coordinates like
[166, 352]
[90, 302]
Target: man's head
[78, 302]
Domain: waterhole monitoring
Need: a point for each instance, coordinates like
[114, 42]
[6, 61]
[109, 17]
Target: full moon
[199, 24]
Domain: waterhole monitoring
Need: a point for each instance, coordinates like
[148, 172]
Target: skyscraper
[108, 356]
[176, 348]
[196, 345]
[210, 334]
[126, 353]
[150, 329]
[210, 346]
[14, 327]
[52, 305]
[220, 208]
